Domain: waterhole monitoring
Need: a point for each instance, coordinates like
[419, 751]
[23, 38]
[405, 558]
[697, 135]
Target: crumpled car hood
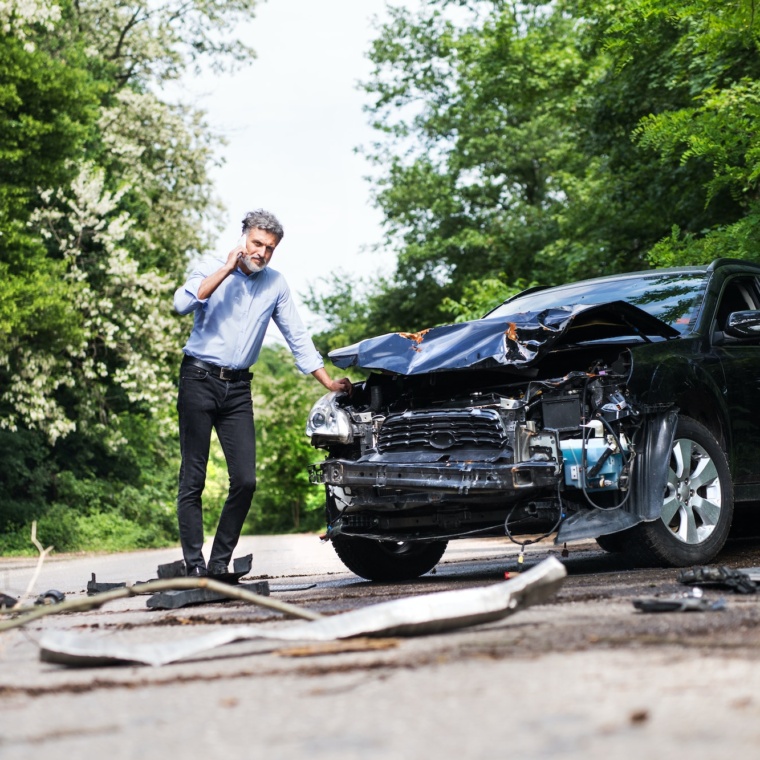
[518, 340]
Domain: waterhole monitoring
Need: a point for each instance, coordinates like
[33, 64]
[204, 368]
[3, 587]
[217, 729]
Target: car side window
[740, 294]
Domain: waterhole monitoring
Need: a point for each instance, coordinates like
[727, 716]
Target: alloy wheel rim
[693, 496]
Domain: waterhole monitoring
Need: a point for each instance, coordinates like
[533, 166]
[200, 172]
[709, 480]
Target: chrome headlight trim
[327, 421]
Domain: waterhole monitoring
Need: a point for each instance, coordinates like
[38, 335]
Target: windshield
[674, 298]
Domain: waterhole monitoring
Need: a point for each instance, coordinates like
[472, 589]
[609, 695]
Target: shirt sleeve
[299, 341]
[186, 296]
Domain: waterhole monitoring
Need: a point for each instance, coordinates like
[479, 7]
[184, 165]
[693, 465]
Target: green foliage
[97, 515]
[737, 241]
[480, 297]
[104, 194]
[346, 304]
[48, 113]
[25, 478]
[98, 502]
[716, 56]
[59, 528]
[284, 499]
[111, 532]
[478, 118]
[48, 110]
[549, 141]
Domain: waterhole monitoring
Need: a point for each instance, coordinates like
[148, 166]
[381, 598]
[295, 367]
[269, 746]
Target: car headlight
[328, 421]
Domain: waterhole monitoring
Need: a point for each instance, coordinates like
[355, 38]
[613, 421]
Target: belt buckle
[223, 375]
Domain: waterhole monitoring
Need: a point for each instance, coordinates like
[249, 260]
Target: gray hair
[263, 220]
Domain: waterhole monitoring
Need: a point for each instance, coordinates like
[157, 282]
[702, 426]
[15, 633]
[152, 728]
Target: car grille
[445, 429]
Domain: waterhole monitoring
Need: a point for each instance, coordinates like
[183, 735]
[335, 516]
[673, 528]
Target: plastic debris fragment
[725, 577]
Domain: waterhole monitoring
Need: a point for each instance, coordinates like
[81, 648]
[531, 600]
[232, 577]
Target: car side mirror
[743, 324]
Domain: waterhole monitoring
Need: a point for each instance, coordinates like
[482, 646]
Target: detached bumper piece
[452, 477]
[172, 600]
[724, 577]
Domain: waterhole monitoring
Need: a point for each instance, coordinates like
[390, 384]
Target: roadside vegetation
[517, 143]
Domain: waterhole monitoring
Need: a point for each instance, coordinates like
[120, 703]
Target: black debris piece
[6, 602]
[52, 596]
[172, 570]
[94, 587]
[240, 566]
[721, 576]
[679, 604]
[172, 600]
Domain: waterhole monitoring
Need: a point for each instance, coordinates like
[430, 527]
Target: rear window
[674, 298]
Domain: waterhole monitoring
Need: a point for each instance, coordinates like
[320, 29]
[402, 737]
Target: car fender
[650, 477]
[677, 381]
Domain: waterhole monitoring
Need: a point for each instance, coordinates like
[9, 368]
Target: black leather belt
[223, 373]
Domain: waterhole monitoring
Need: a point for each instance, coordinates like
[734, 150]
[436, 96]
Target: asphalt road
[584, 675]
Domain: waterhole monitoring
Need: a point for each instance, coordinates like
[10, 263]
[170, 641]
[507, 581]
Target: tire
[613, 543]
[697, 507]
[388, 560]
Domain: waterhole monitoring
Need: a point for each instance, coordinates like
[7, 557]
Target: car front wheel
[612, 543]
[388, 560]
[697, 507]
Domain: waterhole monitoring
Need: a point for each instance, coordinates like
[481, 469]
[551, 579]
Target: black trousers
[204, 403]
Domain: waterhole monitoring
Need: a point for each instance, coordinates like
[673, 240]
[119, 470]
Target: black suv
[622, 408]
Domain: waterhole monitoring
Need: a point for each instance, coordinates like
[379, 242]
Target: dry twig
[40, 561]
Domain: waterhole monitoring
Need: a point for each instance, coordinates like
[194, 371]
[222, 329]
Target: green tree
[547, 141]
[106, 193]
[716, 50]
[477, 123]
[48, 114]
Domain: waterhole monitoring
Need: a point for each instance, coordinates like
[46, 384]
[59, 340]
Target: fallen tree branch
[26, 615]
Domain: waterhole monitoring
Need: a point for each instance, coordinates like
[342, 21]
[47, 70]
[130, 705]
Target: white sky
[292, 120]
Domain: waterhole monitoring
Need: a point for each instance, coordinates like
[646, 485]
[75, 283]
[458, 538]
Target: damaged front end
[408, 462]
[492, 427]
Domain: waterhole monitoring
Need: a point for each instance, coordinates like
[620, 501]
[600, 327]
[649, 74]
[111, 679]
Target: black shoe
[217, 568]
[196, 572]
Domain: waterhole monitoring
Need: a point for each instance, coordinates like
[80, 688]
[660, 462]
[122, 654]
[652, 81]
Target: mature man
[232, 302]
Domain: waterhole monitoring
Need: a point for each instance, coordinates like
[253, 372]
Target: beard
[252, 265]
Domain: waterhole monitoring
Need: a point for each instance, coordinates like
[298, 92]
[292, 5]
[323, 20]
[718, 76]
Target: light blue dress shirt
[230, 325]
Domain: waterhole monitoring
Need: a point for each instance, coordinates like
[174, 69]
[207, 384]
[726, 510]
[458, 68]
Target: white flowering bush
[17, 17]
[129, 333]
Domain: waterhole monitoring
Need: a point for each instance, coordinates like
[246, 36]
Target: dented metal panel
[518, 340]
